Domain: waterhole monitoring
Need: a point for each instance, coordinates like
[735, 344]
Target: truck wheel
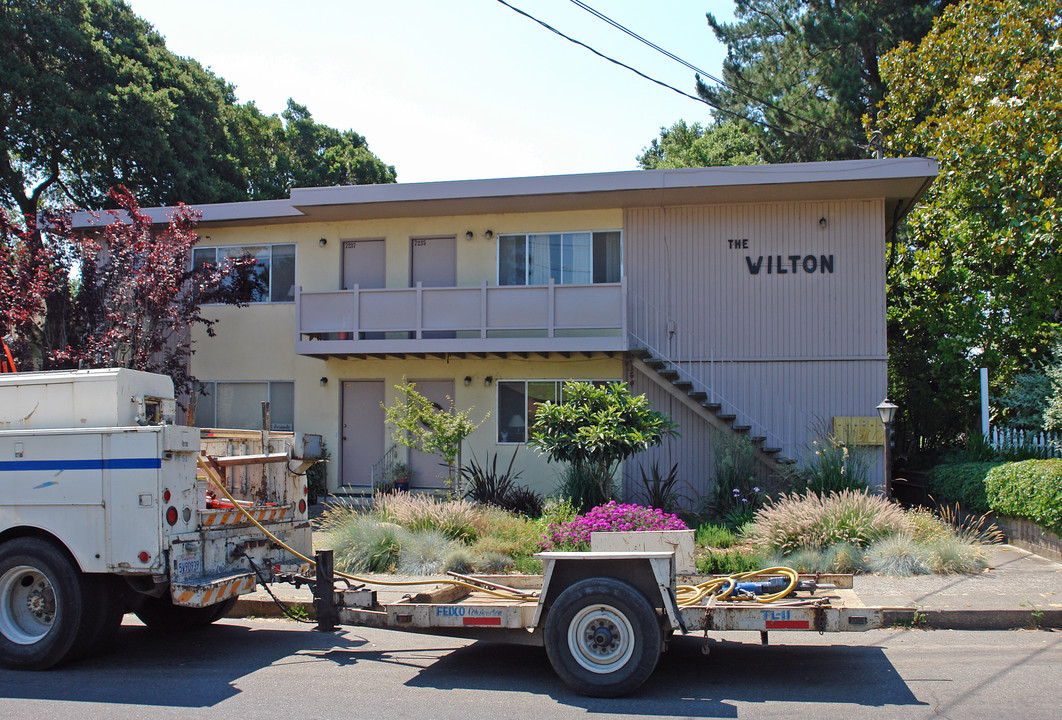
[602, 637]
[106, 609]
[161, 614]
[44, 617]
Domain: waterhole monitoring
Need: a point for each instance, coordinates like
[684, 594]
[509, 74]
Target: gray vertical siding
[789, 350]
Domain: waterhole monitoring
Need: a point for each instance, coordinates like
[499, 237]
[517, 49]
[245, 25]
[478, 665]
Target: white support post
[984, 402]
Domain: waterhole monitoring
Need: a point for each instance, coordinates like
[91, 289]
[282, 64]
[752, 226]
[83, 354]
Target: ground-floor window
[239, 404]
[518, 401]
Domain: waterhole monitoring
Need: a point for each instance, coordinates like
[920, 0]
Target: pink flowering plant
[612, 517]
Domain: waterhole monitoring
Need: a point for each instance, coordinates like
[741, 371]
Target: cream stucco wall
[257, 342]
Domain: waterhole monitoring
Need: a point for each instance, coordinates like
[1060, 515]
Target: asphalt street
[280, 669]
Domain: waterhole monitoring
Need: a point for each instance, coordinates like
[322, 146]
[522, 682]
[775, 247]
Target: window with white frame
[572, 258]
[518, 401]
[239, 404]
[274, 268]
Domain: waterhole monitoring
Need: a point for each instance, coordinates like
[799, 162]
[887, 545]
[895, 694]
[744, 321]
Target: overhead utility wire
[639, 73]
[694, 68]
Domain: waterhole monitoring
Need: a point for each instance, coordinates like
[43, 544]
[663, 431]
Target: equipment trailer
[603, 617]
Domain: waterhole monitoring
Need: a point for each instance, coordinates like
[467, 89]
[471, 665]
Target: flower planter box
[678, 541]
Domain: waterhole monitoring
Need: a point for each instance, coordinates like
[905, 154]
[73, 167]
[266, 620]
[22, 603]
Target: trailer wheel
[44, 617]
[602, 637]
[161, 614]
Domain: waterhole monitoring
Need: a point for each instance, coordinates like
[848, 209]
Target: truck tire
[161, 614]
[602, 637]
[45, 615]
[106, 611]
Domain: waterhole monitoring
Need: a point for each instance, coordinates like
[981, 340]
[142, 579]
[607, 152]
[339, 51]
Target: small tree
[420, 424]
[122, 295]
[596, 427]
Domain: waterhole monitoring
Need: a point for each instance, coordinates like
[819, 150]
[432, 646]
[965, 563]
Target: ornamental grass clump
[612, 517]
[820, 521]
[456, 519]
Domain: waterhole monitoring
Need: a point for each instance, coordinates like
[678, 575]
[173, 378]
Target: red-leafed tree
[121, 295]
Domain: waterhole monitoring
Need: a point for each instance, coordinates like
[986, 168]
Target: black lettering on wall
[754, 268]
[826, 264]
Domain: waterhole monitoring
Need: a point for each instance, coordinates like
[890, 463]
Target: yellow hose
[220, 485]
[692, 594]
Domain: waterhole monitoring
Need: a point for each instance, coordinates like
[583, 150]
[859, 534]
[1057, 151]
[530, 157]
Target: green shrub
[493, 563]
[454, 518]
[1031, 490]
[817, 522]
[425, 553]
[729, 562]
[715, 536]
[845, 558]
[584, 490]
[952, 556]
[898, 556]
[736, 493]
[360, 542]
[962, 483]
[832, 465]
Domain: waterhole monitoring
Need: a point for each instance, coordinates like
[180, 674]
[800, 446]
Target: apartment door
[427, 472]
[364, 266]
[433, 263]
[363, 436]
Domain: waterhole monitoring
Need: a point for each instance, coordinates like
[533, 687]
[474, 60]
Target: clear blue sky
[458, 89]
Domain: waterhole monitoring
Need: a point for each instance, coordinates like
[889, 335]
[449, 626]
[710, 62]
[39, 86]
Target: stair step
[698, 396]
[726, 417]
[655, 363]
[772, 450]
[742, 428]
[757, 439]
[669, 374]
[714, 407]
[684, 385]
[640, 353]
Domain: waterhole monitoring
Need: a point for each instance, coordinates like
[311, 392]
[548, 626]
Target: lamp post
[887, 412]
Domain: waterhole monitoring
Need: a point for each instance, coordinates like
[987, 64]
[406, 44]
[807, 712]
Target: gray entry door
[433, 263]
[427, 471]
[363, 435]
[363, 264]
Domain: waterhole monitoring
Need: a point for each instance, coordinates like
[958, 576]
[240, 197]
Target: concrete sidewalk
[1021, 590]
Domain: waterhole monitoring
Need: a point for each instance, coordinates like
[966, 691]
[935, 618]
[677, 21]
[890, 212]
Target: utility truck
[103, 510]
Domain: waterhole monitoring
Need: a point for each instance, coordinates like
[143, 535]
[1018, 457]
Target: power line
[699, 71]
[639, 73]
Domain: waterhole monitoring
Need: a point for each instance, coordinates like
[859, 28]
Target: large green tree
[682, 146]
[801, 74]
[91, 98]
[976, 280]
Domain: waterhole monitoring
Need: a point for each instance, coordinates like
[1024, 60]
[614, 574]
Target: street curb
[893, 616]
[973, 619]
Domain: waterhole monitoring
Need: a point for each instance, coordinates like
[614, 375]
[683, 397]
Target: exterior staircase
[715, 410]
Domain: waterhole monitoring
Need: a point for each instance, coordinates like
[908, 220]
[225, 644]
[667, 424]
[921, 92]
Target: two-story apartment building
[741, 299]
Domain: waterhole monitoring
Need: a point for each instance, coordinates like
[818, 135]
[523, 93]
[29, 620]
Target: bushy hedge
[962, 483]
[1031, 490]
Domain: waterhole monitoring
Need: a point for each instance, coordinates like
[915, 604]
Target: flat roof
[900, 181]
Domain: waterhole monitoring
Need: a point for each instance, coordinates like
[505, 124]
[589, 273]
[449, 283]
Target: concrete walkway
[1020, 590]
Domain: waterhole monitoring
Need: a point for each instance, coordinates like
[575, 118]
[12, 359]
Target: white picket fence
[1049, 443]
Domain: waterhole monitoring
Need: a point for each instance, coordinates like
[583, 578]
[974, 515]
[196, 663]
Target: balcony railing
[520, 318]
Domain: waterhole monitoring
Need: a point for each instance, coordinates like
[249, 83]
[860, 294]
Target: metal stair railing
[686, 355]
[379, 470]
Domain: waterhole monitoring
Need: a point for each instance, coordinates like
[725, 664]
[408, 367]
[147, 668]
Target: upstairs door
[433, 263]
[364, 266]
[427, 471]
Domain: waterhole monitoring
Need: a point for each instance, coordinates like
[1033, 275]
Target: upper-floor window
[566, 258]
[274, 268]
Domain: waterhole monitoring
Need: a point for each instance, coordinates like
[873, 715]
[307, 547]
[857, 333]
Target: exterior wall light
[823, 222]
[468, 380]
[324, 381]
[469, 235]
[489, 234]
[322, 242]
[488, 380]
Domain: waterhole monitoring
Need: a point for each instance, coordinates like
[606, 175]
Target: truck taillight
[302, 506]
[171, 515]
[166, 495]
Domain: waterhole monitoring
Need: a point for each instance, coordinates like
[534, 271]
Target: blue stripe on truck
[151, 463]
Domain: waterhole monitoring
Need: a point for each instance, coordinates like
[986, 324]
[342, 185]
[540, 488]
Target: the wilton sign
[783, 264]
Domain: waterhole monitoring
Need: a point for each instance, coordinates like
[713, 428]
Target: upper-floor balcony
[494, 319]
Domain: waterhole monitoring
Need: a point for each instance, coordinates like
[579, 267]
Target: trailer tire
[602, 637]
[162, 615]
[45, 615]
